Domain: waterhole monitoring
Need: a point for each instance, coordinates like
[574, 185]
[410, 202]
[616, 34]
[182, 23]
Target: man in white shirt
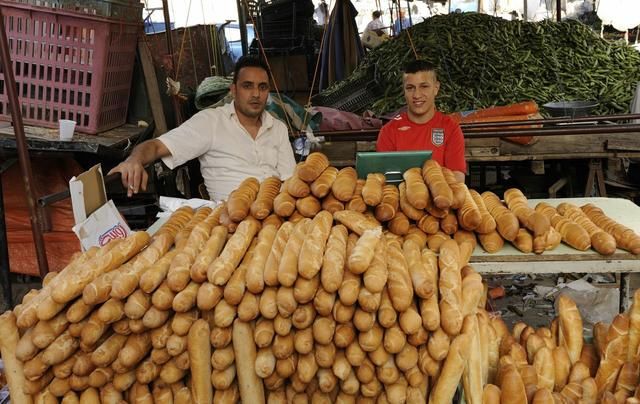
[232, 142]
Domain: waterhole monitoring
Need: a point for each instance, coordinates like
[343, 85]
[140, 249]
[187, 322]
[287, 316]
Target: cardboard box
[97, 219]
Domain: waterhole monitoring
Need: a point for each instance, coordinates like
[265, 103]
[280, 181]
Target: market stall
[325, 288]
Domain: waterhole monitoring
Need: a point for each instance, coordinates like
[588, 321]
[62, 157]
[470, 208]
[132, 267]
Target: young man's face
[250, 91]
[420, 90]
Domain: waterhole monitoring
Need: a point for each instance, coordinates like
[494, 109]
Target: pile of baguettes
[280, 295]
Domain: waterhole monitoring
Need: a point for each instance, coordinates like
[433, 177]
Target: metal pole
[558, 10]
[23, 152]
[5, 271]
[167, 31]
[242, 24]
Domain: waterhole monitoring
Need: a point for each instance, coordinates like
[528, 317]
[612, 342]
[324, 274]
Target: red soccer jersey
[441, 135]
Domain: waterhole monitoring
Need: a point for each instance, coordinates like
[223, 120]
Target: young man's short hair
[376, 14]
[248, 61]
[418, 65]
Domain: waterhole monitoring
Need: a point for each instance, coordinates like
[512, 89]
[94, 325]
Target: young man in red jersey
[423, 127]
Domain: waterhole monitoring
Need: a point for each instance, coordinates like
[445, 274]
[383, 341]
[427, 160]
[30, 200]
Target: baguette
[13, 369]
[469, 215]
[572, 233]
[506, 221]
[313, 166]
[345, 184]
[421, 278]
[449, 224]
[417, 191]
[454, 365]
[362, 253]
[251, 388]
[334, 259]
[440, 190]
[222, 267]
[199, 360]
[376, 275]
[429, 309]
[240, 200]
[601, 241]
[487, 221]
[407, 208]
[457, 188]
[625, 237]
[472, 373]
[389, 204]
[570, 325]
[321, 186]
[120, 253]
[491, 242]
[284, 204]
[288, 268]
[450, 287]
[308, 206]
[356, 202]
[355, 221]
[372, 189]
[399, 278]
[313, 246]
[263, 204]
[532, 220]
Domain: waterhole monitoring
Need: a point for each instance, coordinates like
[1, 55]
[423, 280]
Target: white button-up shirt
[227, 152]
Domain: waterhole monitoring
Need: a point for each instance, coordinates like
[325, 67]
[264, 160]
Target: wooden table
[565, 259]
[47, 140]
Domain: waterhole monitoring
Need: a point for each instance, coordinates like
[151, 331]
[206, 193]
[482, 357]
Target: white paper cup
[67, 128]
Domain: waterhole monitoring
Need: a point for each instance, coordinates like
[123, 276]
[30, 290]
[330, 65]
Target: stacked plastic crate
[72, 59]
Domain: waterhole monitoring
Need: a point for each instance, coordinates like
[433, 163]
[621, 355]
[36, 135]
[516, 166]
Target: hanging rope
[413, 48]
[266, 60]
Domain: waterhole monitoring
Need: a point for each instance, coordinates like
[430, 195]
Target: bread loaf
[263, 204]
[407, 208]
[491, 242]
[506, 221]
[601, 241]
[487, 221]
[451, 373]
[626, 238]
[439, 189]
[222, 267]
[570, 324]
[417, 191]
[355, 221]
[572, 233]
[321, 186]
[313, 166]
[388, 207]
[399, 279]
[450, 287]
[458, 188]
[240, 200]
[469, 216]
[14, 371]
[313, 246]
[345, 184]
[284, 204]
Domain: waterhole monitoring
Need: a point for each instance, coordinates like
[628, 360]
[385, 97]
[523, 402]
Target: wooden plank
[622, 144]
[153, 92]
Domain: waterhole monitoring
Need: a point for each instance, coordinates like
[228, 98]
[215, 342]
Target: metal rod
[5, 270]
[23, 151]
[372, 134]
[558, 10]
[242, 24]
[62, 195]
[585, 119]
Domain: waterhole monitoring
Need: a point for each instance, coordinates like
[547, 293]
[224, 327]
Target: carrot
[520, 108]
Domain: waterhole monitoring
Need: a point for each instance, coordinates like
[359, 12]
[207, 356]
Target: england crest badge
[437, 136]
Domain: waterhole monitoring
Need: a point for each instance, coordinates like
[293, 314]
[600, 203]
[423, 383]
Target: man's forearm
[146, 152]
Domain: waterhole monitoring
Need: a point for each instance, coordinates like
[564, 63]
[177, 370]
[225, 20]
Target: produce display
[323, 289]
[485, 61]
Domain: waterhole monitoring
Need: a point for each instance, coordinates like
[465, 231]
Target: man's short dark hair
[376, 14]
[418, 65]
[248, 61]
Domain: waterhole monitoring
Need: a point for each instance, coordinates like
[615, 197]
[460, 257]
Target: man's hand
[133, 175]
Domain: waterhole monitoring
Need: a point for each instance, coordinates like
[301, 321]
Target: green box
[391, 164]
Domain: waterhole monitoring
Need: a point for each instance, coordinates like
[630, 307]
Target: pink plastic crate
[69, 66]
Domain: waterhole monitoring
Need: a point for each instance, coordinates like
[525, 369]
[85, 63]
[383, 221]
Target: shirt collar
[267, 119]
